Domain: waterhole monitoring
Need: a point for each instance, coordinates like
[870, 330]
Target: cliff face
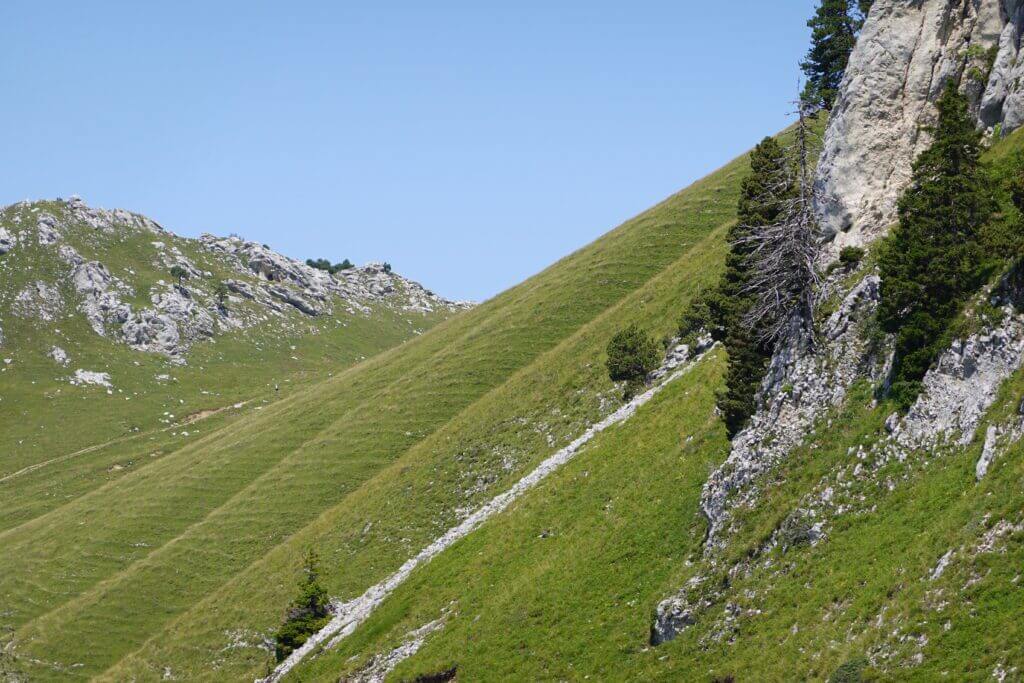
[905, 56]
[903, 59]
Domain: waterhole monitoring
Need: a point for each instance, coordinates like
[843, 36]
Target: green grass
[621, 521]
[184, 564]
[403, 440]
[46, 418]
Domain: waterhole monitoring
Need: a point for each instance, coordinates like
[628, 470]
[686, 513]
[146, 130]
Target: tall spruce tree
[833, 36]
[762, 200]
[933, 261]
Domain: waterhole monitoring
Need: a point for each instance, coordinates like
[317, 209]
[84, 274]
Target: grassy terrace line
[183, 564]
[49, 431]
[353, 613]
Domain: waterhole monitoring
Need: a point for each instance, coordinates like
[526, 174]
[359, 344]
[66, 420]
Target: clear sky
[470, 144]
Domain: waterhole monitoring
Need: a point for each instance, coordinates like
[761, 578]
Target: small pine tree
[833, 36]
[309, 612]
[932, 264]
[222, 293]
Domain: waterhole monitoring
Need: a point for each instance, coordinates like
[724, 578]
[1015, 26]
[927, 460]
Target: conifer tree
[762, 200]
[309, 612]
[933, 261]
[833, 36]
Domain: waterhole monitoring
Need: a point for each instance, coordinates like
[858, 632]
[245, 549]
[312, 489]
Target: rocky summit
[173, 292]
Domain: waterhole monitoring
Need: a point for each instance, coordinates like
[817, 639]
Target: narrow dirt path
[191, 419]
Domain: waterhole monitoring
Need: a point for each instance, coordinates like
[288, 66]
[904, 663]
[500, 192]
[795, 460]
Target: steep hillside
[832, 540]
[488, 505]
[369, 466]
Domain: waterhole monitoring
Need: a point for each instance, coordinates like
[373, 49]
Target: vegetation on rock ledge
[932, 263]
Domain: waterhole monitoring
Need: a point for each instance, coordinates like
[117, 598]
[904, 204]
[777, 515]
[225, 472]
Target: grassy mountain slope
[59, 440]
[368, 466]
[563, 586]
[184, 568]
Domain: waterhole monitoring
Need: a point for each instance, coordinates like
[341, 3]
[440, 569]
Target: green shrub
[704, 314]
[851, 256]
[222, 292]
[325, 265]
[795, 531]
[309, 613]
[632, 354]
[904, 393]
[852, 671]
[179, 273]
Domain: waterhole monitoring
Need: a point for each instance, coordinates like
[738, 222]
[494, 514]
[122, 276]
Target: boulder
[89, 377]
[48, 229]
[60, 356]
[7, 241]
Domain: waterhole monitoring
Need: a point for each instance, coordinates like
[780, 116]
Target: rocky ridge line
[188, 311]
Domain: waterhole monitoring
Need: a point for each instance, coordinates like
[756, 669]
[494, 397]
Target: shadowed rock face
[903, 59]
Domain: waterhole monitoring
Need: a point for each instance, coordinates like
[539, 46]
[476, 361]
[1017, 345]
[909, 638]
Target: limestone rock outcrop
[904, 57]
[209, 286]
[7, 241]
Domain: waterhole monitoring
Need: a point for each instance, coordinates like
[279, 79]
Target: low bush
[853, 671]
[325, 265]
[851, 256]
[632, 354]
[703, 314]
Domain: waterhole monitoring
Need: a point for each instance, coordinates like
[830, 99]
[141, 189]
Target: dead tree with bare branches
[783, 254]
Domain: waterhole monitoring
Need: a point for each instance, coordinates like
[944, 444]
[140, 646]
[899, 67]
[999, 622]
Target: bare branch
[783, 255]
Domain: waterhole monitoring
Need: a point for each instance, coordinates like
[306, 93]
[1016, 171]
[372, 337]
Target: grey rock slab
[906, 53]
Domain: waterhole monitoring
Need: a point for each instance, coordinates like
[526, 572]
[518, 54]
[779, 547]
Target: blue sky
[470, 144]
